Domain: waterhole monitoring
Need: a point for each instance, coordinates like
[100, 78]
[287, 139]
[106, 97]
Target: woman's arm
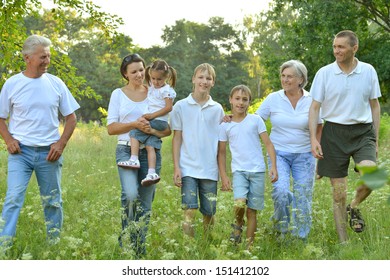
[117, 128]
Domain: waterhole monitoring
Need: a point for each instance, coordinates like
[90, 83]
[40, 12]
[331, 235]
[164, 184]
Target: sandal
[129, 164]
[150, 179]
[356, 219]
[236, 238]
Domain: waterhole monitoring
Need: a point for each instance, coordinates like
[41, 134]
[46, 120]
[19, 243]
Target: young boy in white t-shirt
[248, 165]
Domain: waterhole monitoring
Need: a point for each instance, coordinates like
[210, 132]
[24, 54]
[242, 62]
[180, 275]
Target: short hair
[32, 42]
[242, 88]
[205, 67]
[128, 60]
[300, 70]
[352, 37]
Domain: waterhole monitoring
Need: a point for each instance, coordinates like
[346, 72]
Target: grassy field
[91, 194]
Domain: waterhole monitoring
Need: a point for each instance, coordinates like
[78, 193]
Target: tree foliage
[189, 44]
[304, 30]
[21, 18]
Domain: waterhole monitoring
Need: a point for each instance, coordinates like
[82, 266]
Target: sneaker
[129, 164]
[150, 179]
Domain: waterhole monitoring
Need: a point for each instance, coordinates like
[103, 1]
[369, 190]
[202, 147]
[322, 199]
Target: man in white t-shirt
[347, 92]
[31, 100]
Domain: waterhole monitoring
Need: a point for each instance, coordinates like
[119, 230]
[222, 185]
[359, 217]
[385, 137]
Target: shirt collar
[337, 70]
[192, 101]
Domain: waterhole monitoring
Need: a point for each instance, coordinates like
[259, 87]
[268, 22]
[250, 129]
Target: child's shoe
[129, 164]
[150, 179]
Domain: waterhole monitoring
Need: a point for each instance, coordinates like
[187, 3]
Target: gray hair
[32, 42]
[299, 68]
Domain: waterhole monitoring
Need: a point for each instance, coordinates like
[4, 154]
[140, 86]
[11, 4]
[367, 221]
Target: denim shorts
[341, 142]
[148, 139]
[205, 189]
[249, 186]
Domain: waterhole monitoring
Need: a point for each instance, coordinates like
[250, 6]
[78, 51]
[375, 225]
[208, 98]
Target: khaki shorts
[341, 142]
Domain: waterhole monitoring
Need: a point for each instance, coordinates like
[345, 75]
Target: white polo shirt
[199, 126]
[290, 127]
[344, 97]
[244, 143]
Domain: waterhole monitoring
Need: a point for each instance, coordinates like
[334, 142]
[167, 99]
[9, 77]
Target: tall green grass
[91, 194]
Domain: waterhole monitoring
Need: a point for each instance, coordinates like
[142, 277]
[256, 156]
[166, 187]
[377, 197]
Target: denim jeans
[292, 208]
[136, 201]
[48, 174]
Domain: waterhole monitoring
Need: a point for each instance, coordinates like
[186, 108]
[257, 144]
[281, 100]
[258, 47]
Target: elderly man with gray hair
[31, 101]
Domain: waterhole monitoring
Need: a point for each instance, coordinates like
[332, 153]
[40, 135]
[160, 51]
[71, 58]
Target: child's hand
[273, 173]
[227, 118]
[148, 117]
[143, 120]
[177, 178]
[225, 186]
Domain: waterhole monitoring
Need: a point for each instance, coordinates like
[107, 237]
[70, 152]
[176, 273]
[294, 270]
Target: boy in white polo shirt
[248, 165]
[195, 122]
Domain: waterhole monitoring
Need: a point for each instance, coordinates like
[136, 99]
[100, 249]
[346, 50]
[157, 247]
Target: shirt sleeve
[176, 120]
[264, 110]
[222, 136]
[113, 108]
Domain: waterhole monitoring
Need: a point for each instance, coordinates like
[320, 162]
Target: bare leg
[239, 211]
[188, 224]
[151, 157]
[134, 146]
[251, 215]
[362, 191]
[339, 206]
[208, 223]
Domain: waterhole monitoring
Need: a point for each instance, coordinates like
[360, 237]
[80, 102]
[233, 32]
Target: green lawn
[91, 194]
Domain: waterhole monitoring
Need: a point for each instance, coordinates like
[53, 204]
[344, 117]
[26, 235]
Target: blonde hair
[205, 67]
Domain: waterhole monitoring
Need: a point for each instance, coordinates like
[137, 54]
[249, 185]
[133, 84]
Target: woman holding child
[127, 105]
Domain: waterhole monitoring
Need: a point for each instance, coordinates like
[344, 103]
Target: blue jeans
[136, 201]
[48, 174]
[148, 139]
[204, 188]
[249, 186]
[292, 208]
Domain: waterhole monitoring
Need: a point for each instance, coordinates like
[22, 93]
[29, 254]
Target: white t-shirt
[244, 143]
[290, 127]
[33, 105]
[124, 110]
[199, 126]
[345, 97]
[156, 99]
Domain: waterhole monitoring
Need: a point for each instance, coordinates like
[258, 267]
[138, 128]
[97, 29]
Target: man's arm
[12, 144]
[57, 148]
[376, 118]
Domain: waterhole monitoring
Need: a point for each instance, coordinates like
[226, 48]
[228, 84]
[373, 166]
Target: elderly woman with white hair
[288, 111]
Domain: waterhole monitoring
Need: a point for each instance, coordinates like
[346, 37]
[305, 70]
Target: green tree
[189, 44]
[20, 18]
[304, 30]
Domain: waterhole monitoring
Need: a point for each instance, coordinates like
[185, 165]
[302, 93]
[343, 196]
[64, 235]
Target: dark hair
[161, 65]
[352, 37]
[128, 60]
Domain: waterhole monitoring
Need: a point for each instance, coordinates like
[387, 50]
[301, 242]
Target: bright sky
[145, 20]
